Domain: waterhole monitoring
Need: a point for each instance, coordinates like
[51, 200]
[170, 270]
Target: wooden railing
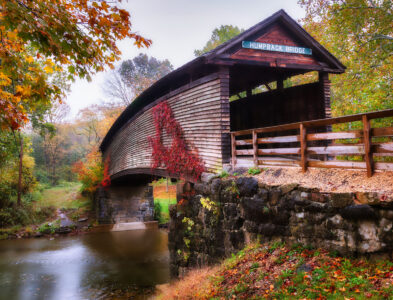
[313, 144]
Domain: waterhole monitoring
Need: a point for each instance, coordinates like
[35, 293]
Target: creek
[105, 265]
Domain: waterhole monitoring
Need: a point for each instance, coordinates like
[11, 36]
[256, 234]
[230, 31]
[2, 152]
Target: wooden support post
[233, 147]
[255, 148]
[303, 147]
[280, 84]
[268, 87]
[368, 155]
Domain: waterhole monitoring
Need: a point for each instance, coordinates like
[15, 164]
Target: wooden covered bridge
[244, 104]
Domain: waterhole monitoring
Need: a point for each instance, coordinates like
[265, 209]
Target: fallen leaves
[254, 273]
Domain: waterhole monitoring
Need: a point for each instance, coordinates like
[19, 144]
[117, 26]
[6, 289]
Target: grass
[164, 197]
[64, 196]
[40, 207]
[279, 271]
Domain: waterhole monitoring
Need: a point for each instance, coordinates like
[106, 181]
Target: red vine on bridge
[177, 159]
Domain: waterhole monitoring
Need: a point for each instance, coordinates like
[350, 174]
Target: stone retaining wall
[124, 203]
[218, 217]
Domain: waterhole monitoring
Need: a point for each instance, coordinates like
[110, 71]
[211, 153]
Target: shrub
[90, 172]
[254, 171]
[15, 215]
[24, 215]
[47, 228]
[223, 174]
[158, 213]
[33, 196]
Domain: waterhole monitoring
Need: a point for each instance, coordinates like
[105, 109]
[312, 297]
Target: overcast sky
[177, 28]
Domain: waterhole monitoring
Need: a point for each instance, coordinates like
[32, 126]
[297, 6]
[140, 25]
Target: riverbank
[278, 271]
[52, 211]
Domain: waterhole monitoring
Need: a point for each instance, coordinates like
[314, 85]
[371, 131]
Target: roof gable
[278, 29]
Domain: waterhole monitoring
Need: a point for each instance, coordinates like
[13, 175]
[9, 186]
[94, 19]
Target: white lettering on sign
[276, 48]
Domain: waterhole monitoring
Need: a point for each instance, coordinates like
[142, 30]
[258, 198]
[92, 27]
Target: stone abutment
[123, 203]
[216, 218]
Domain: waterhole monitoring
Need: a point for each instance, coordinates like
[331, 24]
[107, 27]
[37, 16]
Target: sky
[177, 28]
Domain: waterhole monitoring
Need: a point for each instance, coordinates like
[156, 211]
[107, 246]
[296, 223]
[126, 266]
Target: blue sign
[276, 48]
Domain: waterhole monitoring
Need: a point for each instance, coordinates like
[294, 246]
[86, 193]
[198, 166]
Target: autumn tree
[220, 35]
[75, 38]
[360, 34]
[133, 76]
[93, 123]
[78, 37]
[53, 140]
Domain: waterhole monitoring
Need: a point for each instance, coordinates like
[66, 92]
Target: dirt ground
[330, 180]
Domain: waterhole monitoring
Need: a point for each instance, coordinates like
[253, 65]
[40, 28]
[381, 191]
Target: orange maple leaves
[38, 37]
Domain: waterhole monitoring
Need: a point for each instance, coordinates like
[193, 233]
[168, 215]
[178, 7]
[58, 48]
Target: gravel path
[330, 180]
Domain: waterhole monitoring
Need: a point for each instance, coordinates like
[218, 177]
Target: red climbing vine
[177, 159]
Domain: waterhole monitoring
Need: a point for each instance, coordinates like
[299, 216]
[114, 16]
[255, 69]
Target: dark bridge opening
[273, 102]
[136, 198]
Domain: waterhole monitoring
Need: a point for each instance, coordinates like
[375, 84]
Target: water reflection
[94, 266]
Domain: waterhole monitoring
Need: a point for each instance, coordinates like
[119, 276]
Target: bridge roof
[230, 54]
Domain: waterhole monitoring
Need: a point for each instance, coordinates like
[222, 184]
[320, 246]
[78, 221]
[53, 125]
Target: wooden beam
[303, 147]
[352, 134]
[337, 150]
[233, 148]
[255, 148]
[387, 131]
[324, 85]
[337, 164]
[280, 84]
[368, 156]
[322, 122]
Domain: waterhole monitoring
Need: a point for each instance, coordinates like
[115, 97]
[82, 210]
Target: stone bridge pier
[125, 201]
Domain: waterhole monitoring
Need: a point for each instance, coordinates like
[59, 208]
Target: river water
[107, 265]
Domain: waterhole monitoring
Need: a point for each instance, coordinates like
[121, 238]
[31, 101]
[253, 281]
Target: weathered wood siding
[199, 112]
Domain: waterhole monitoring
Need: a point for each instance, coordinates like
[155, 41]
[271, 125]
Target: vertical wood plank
[255, 148]
[233, 147]
[280, 84]
[368, 156]
[303, 147]
[324, 85]
[224, 76]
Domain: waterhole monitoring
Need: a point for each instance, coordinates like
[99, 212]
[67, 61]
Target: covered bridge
[238, 90]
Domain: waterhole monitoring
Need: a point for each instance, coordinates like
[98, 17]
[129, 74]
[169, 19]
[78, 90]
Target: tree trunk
[20, 171]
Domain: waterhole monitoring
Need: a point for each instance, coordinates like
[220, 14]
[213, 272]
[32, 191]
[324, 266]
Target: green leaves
[80, 35]
[220, 35]
[360, 34]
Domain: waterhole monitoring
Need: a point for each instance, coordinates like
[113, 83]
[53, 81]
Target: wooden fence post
[255, 148]
[233, 147]
[303, 147]
[368, 155]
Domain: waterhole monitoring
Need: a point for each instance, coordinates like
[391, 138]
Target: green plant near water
[24, 215]
[47, 228]
[158, 213]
